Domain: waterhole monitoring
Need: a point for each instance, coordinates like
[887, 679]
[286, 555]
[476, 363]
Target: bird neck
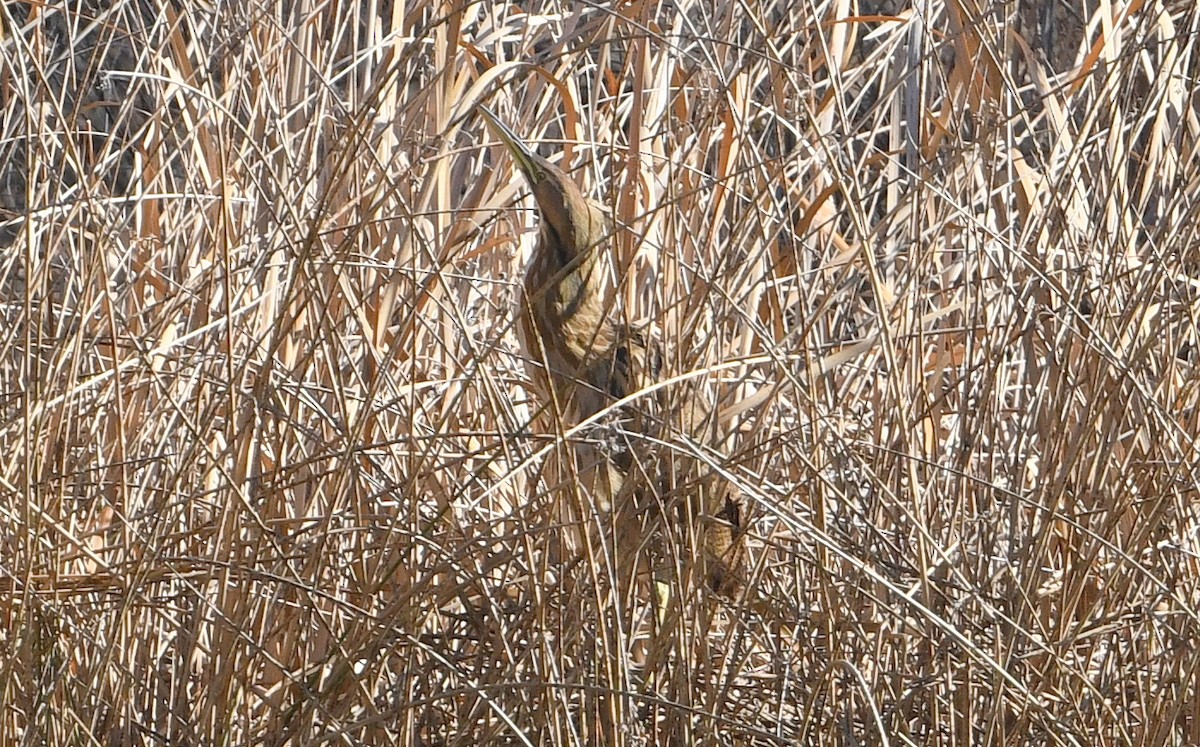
[566, 289]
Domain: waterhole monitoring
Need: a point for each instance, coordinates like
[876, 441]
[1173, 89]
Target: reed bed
[275, 473]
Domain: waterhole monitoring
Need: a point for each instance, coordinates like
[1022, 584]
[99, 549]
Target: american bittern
[589, 360]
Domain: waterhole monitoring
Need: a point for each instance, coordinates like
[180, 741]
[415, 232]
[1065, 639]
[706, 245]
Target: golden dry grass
[271, 475]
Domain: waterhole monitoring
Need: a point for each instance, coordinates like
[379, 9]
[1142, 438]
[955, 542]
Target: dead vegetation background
[270, 473]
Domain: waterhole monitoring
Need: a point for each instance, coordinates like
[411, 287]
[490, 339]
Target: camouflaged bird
[584, 360]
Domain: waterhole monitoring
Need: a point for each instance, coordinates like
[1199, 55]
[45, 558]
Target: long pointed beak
[524, 156]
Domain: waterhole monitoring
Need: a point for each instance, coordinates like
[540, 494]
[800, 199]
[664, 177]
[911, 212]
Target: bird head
[575, 223]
